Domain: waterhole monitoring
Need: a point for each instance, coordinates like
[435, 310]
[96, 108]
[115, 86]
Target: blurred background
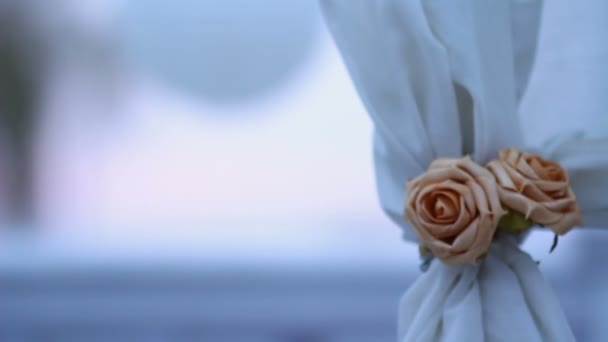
[201, 171]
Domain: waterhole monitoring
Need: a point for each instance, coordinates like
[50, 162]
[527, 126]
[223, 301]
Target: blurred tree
[19, 69]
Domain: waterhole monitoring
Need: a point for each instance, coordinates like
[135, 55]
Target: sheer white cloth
[505, 298]
[443, 79]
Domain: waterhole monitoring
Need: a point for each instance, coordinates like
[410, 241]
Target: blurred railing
[54, 295]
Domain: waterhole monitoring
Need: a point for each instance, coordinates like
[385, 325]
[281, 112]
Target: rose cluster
[456, 206]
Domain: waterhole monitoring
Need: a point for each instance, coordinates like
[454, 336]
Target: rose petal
[448, 204]
[523, 166]
[481, 201]
[493, 197]
[566, 222]
[531, 209]
[440, 249]
[502, 176]
[547, 169]
[560, 205]
[425, 201]
[530, 190]
[548, 186]
[473, 168]
[517, 177]
[443, 231]
[468, 201]
[509, 155]
[436, 176]
[465, 240]
[425, 208]
[444, 163]
[484, 233]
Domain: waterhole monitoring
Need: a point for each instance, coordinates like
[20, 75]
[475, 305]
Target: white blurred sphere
[223, 51]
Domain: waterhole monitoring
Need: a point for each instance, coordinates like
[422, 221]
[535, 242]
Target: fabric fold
[446, 79]
[437, 78]
[503, 298]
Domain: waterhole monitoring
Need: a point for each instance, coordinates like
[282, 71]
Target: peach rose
[536, 187]
[454, 208]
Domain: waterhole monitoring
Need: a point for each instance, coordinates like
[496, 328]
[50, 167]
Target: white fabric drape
[438, 81]
[444, 79]
[505, 298]
[567, 97]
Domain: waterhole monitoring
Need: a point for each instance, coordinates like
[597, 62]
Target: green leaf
[514, 223]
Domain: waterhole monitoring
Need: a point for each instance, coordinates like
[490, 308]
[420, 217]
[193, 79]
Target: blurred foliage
[18, 95]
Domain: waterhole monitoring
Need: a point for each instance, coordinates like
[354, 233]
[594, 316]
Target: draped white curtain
[564, 109]
[448, 78]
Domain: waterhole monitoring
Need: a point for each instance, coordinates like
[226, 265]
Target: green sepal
[514, 223]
